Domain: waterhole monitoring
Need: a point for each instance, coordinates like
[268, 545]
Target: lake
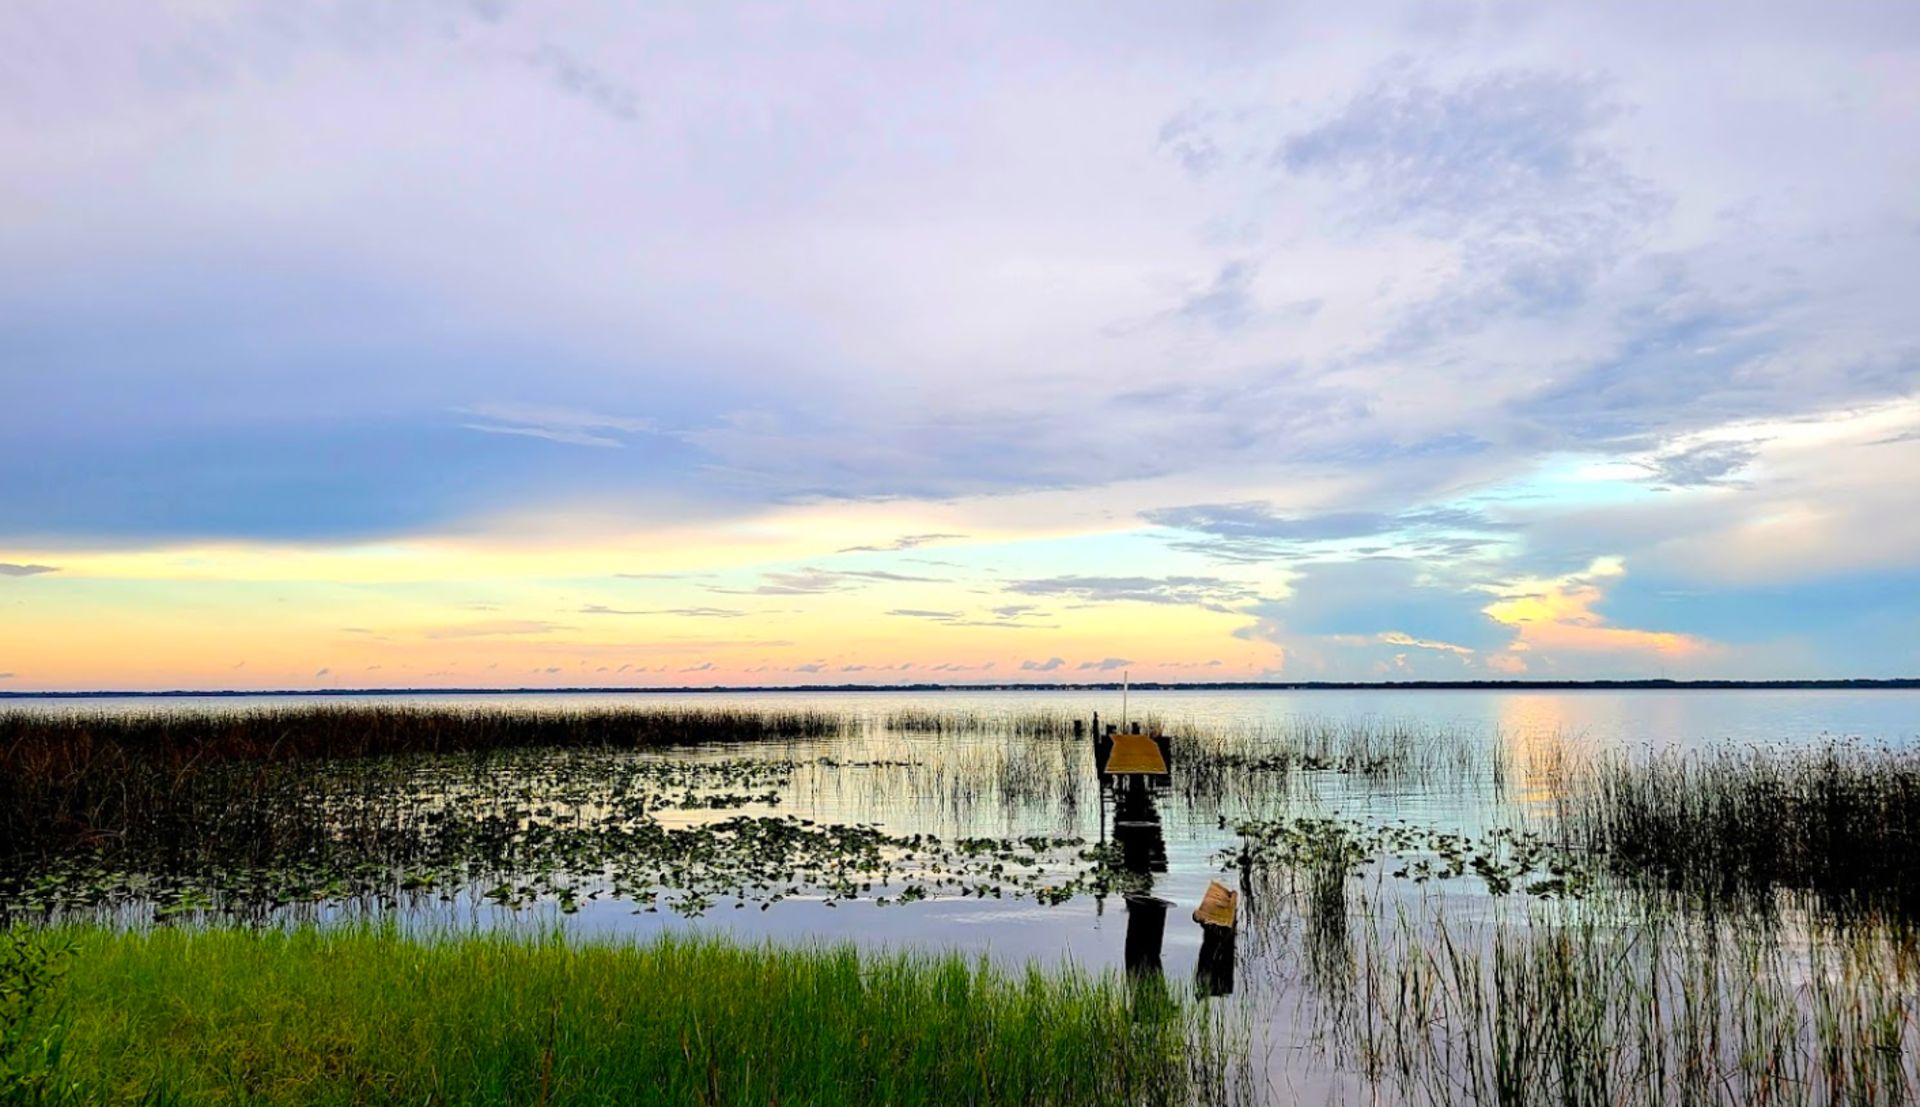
[951, 768]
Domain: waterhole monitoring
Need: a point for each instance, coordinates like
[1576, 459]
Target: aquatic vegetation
[89, 777]
[1329, 850]
[1014, 724]
[1580, 1007]
[1255, 763]
[33, 966]
[1736, 826]
[517, 827]
[353, 1015]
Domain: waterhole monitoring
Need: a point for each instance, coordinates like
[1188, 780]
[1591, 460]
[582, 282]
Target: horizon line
[1810, 683]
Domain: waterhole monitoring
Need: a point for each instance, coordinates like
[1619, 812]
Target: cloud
[1253, 532]
[704, 666]
[1227, 302]
[812, 581]
[1508, 168]
[321, 672]
[555, 424]
[590, 84]
[1212, 593]
[1047, 666]
[960, 619]
[917, 613]
[495, 627]
[1706, 463]
[904, 542]
[1396, 638]
[1557, 614]
[11, 569]
[685, 612]
[1106, 665]
[1529, 239]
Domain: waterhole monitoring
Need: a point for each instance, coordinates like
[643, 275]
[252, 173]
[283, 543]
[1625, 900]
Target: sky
[501, 344]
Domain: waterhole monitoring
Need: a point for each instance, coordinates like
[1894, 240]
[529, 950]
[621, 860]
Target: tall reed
[94, 779]
[1841, 821]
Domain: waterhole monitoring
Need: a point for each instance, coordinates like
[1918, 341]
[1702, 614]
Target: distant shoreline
[1906, 683]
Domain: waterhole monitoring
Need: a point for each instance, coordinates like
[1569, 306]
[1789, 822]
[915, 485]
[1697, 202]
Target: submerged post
[1218, 918]
[1146, 930]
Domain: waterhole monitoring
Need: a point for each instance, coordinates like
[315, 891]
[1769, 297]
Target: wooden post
[1146, 930]
[1213, 975]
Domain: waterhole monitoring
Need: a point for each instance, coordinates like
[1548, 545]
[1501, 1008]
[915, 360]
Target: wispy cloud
[684, 612]
[1212, 593]
[1252, 532]
[568, 426]
[1706, 463]
[591, 84]
[904, 542]
[812, 581]
[1047, 666]
[11, 569]
[962, 619]
[1105, 665]
[1397, 638]
[495, 628]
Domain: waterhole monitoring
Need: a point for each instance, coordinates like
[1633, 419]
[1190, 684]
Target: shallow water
[989, 785]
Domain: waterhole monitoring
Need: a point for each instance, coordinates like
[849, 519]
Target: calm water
[1643, 717]
[905, 783]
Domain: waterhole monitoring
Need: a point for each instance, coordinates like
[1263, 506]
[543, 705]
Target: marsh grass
[314, 1016]
[1257, 763]
[1735, 827]
[1013, 724]
[1576, 1007]
[96, 777]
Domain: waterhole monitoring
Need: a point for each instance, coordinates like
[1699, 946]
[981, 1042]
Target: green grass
[323, 1016]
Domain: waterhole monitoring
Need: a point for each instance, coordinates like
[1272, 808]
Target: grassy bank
[357, 1016]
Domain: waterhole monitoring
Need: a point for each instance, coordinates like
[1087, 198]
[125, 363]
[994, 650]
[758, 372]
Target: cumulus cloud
[1105, 665]
[1047, 666]
[1557, 614]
